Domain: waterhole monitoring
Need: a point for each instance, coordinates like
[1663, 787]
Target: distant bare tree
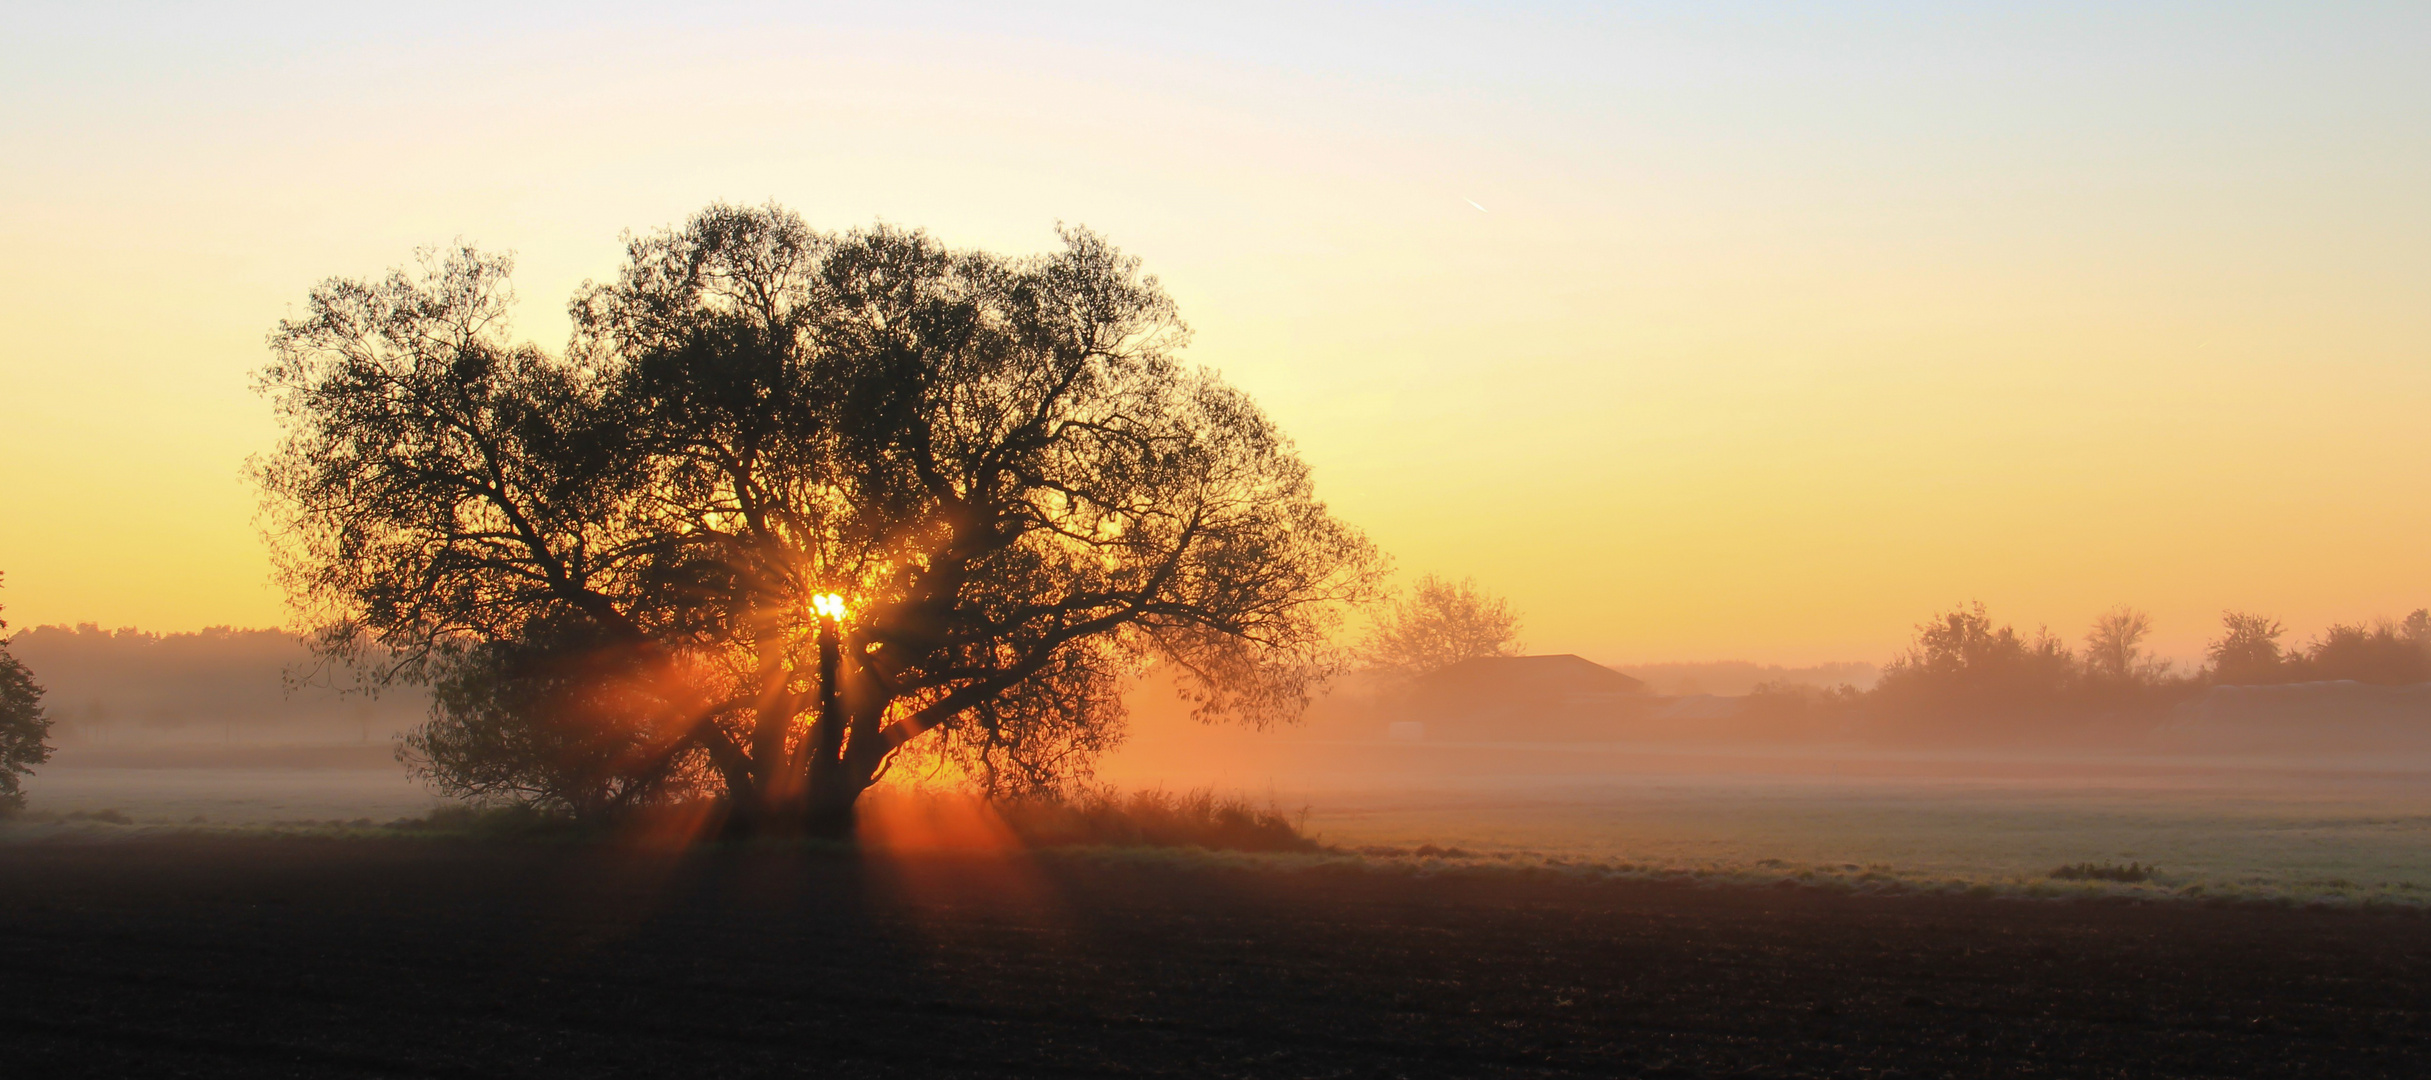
[23, 726]
[2114, 650]
[1440, 623]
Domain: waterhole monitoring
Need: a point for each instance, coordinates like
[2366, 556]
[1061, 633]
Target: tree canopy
[2385, 652]
[1963, 660]
[1439, 623]
[2114, 649]
[23, 727]
[2247, 650]
[605, 560]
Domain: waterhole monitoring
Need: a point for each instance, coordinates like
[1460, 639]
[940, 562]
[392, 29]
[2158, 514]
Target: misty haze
[2302, 787]
[1535, 540]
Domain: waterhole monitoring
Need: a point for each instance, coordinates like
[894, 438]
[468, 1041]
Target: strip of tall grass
[2132, 873]
[1157, 818]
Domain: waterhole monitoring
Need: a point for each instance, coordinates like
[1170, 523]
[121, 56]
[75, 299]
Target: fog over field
[2315, 794]
[223, 725]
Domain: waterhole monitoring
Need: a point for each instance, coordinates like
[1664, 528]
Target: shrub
[1155, 818]
[1965, 669]
[498, 821]
[2085, 871]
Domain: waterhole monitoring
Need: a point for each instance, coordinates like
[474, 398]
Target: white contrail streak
[1473, 202]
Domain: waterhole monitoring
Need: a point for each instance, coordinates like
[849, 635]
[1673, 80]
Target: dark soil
[294, 957]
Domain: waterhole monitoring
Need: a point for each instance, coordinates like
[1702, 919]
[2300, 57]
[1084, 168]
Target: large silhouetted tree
[23, 727]
[606, 561]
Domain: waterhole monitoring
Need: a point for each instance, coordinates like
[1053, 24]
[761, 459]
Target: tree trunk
[830, 793]
[773, 784]
[833, 813]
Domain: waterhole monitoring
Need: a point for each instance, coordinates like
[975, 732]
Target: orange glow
[674, 827]
[935, 853]
[926, 821]
[1766, 367]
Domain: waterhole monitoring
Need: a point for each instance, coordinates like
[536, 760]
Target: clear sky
[1782, 325]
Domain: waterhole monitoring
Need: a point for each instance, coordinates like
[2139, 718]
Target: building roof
[1526, 678]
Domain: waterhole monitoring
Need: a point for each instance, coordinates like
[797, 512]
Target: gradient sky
[1783, 325]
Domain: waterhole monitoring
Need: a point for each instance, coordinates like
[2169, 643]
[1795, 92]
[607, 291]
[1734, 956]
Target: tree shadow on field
[928, 879]
[944, 864]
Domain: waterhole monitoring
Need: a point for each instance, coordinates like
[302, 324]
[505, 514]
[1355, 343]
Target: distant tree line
[127, 685]
[1964, 671]
[2383, 653]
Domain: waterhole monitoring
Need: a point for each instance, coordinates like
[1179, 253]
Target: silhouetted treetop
[2114, 648]
[1962, 657]
[23, 727]
[1439, 623]
[2247, 650]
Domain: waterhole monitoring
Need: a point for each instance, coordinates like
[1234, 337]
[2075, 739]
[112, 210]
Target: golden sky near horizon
[1780, 327]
